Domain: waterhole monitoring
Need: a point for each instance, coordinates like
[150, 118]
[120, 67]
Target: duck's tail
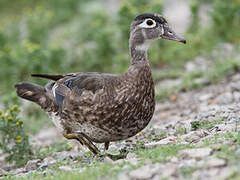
[34, 93]
[48, 76]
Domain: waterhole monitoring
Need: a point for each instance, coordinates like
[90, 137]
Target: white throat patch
[144, 46]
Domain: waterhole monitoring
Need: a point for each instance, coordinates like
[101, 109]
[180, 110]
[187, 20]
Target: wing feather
[78, 83]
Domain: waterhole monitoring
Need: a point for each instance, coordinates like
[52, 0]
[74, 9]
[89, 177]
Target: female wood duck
[97, 107]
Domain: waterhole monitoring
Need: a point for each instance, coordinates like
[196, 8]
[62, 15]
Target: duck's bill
[171, 35]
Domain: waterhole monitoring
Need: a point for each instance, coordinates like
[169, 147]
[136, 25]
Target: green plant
[195, 18]
[225, 16]
[205, 124]
[57, 146]
[14, 141]
[161, 153]
[181, 130]
[195, 125]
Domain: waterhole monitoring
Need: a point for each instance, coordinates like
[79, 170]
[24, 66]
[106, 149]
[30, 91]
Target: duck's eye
[148, 23]
[170, 32]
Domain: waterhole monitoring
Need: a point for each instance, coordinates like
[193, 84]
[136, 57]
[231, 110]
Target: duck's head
[148, 27]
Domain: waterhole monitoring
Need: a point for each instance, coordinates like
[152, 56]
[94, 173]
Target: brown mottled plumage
[98, 107]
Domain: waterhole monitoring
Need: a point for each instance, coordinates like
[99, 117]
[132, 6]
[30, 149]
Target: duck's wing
[77, 83]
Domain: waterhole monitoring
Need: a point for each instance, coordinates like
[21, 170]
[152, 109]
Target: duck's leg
[83, 139]
[106, 146]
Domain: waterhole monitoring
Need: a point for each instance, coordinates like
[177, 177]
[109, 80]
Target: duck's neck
[139, 70]
[139, 53]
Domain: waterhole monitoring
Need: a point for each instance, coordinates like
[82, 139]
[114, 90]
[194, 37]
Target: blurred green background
[61, 36]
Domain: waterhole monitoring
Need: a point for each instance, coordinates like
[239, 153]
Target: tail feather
[48, 76]
[32, 92]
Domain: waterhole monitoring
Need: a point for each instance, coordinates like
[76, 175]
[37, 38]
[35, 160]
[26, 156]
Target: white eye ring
[144, 24]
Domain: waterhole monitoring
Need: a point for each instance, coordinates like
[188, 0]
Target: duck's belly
[117, 130]
[56, 119]
[105, 125]
[96, 134]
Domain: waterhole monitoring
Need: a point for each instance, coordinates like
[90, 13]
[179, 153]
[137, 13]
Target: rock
[145, 172]
[23, 175]
[2, 172]
[169, 83]
[132, 158]
[237, 151]
[32, 165]
[65, 168]
[156, 177]
[194, 136]
[188, 125]
[81, 169]
[220, 127]
[187, 163]
[200, 163]
[173, 98]
[208, 113]
[133, 161]
[199, 64]
[165, 141]
[48, 161]
[67, 155]
[226, 48]
[107, 160]
[174, 160]
[190, 66]
[186, 112]
[196, 153]
[205, 97]
[224, 115]
[148, 161]
[141, 173]
[215, 162]
[163, 116]
[119, 161]
[46, 137]
[225, 173]
[169, 170]
[203, 81]
[225, 127]
[123, 176]
[225, 98]
[203, 107]
[17, 171]
[131, 155]
[236, 96]
[213, 172]
[196, 174]
[236, 77]
[235, 86]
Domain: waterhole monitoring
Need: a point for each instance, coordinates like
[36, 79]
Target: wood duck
[102, 108]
